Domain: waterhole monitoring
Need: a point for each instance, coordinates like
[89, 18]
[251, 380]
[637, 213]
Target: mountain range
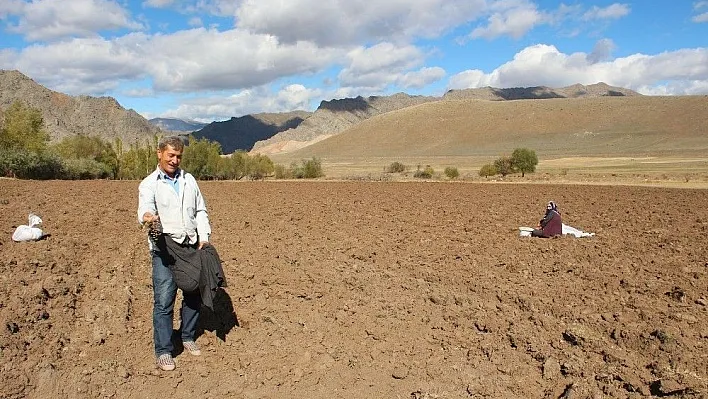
[574, 120]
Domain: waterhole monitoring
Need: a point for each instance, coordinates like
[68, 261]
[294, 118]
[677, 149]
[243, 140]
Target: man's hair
[172, 141]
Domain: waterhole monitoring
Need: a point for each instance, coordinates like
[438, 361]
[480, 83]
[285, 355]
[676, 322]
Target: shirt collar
[163, 175]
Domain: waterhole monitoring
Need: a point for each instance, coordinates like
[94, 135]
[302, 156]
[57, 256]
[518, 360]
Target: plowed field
[366, 290]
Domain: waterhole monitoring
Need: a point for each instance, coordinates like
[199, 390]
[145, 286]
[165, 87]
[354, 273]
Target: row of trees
[522, 160]
[25, 152]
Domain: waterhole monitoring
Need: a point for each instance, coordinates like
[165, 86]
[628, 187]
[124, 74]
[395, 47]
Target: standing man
[172, 196]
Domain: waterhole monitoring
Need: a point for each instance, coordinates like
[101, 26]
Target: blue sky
[210, 60]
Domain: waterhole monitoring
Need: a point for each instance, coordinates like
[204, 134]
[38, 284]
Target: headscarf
[552, 207]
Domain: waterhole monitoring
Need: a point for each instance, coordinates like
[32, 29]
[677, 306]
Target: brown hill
[66, 115]
[333, 117]
[597, 126]
[336, 116]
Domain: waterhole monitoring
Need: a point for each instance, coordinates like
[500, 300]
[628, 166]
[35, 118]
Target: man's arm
[202, 218]
[147, 209]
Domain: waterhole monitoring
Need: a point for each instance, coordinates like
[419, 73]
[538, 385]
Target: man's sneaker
[192, 348]
[165, 362]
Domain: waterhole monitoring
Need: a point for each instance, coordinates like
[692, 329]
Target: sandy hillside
[366, 290]
[602, 126]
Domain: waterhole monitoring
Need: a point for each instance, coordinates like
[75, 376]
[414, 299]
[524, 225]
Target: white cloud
[257, 100]
[513, 18]
[195, 22]
[380, 65]
[688, 87]
[602, 51]
[338, 22]
[700, 18]
[613, 11]
[84, 66]
[8, 58]
[545, 65]
[11, 7]
[190, 60]
[421, 78]
[200, 60]
[51, 20]
[139, 92]
[157, 3]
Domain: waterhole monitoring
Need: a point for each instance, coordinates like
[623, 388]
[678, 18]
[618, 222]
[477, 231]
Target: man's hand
[149, 217]
[203, 244]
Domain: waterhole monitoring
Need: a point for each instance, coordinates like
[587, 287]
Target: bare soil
[366, 290]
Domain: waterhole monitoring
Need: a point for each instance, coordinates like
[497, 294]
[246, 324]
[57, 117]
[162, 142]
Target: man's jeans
[165, 291]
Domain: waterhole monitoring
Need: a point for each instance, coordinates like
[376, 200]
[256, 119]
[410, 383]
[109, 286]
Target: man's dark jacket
[193, 269]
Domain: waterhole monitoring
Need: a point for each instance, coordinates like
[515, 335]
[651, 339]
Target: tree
[202, 157]
[504, 166]
[138, 161]
[259, 166]
[452, 172]
[23, 128]
[487, 170]
[524, 160]
[96, 155]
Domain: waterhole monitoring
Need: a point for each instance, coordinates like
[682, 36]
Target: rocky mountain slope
[243, 132]
[336, 116]
[177, 125]
[540, 92]
[333, 117]
[66, 115]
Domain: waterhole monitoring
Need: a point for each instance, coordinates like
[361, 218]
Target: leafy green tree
[139, 161]
[82, 149]
[202, 157]
[504, 166]
[451, 172]
[24, 164]
[524, 160]
[259, 166]
[487, 170]
[281, 172]
[309, 169]
[312, 168]
[23, 128]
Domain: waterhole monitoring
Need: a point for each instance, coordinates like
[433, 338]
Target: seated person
[551, 224]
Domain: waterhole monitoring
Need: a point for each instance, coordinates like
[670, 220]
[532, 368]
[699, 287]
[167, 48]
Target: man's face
[169, 160]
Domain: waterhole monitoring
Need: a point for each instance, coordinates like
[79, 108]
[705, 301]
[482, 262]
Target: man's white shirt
[183, 213]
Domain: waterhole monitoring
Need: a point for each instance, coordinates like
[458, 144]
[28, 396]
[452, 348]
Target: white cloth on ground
[526, 231]
[575, 232]
[30, 232]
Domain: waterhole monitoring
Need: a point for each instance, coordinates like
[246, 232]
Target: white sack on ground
[30, 232]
